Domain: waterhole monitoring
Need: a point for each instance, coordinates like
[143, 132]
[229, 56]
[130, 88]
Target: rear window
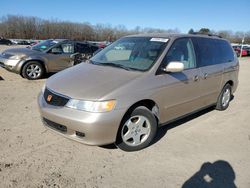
[212, 51]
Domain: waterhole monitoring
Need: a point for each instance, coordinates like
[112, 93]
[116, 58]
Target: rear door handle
[196, 78]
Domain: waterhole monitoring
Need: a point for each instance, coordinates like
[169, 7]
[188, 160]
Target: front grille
[55, 126]
[54, 99]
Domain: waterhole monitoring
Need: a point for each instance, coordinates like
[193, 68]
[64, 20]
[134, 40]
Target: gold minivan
[138, 83]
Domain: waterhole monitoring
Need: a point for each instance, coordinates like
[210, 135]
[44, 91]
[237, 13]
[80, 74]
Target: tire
[37, 73]
[224, 98]
[137, 130]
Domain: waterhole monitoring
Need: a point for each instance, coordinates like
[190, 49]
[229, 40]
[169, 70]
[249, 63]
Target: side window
[207, 51]
[181, 50]
[57, 50]
[68, 48]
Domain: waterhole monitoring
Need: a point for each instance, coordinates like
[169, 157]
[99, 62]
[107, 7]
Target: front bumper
[10, 64]
[85, 127]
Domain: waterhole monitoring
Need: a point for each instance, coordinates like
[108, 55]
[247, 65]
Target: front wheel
[137, 130]
[224, 98]
[33, 70]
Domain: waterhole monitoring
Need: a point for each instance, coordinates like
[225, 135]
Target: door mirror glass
[174, 66]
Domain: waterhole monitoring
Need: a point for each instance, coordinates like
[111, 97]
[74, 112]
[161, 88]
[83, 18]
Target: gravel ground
[211, 148]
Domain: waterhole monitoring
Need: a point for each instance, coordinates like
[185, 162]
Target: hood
[20, 51]
[90, 82]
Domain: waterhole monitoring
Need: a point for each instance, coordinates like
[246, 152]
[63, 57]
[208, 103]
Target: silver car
[137, 84]
[47, 56]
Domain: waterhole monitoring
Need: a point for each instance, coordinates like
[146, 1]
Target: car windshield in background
[131, 53]
[42, 46]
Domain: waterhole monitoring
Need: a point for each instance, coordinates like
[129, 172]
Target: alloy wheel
[33, 71]
[136, 130]
[226, 97]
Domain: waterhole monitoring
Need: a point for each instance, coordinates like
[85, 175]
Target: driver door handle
[196, 78]
[205, 75]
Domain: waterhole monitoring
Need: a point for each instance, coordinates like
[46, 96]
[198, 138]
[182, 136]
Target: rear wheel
[33, 70]
[137, 130]
[224, 98]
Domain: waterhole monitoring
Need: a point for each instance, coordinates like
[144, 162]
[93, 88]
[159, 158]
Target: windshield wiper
[115, 65]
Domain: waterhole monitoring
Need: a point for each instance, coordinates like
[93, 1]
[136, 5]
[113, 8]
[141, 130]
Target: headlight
[91, 106]
[14, 57]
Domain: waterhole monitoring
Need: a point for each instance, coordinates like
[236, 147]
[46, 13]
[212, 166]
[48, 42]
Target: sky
[164, 14]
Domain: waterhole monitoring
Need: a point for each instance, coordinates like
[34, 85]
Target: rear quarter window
[212, 51]
[227, 54]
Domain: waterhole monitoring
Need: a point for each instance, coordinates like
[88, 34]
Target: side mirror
[174, 66]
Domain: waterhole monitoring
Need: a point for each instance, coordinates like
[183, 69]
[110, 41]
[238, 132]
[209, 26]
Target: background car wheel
[224, 98]
[33, 70]
[137, 130]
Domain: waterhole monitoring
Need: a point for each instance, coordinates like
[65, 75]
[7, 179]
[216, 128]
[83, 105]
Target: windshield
[131, 53]
[42, 46]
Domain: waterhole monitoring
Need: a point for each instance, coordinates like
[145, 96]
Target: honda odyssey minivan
[138, 83]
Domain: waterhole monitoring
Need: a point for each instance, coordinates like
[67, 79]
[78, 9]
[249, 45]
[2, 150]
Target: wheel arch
[38, 60]
[148, 103]
[230, 82]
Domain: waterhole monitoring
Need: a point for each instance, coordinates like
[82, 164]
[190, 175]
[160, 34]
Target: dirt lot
[211, 148]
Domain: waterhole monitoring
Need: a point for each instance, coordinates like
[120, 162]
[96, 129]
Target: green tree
[204, 31]
[191, 31]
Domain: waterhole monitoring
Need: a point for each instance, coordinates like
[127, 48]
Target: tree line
[233, 37]
[23, 27]
[28, 27]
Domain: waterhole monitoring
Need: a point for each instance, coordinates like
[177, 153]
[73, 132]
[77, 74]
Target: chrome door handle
[196, 78]
[205, 76]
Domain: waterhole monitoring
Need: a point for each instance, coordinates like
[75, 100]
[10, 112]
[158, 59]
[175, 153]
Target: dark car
[47, 56]
[5, 41]
[23, 42]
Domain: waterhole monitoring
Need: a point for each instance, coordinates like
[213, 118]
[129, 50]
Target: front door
[180, 91]
[59, 56]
